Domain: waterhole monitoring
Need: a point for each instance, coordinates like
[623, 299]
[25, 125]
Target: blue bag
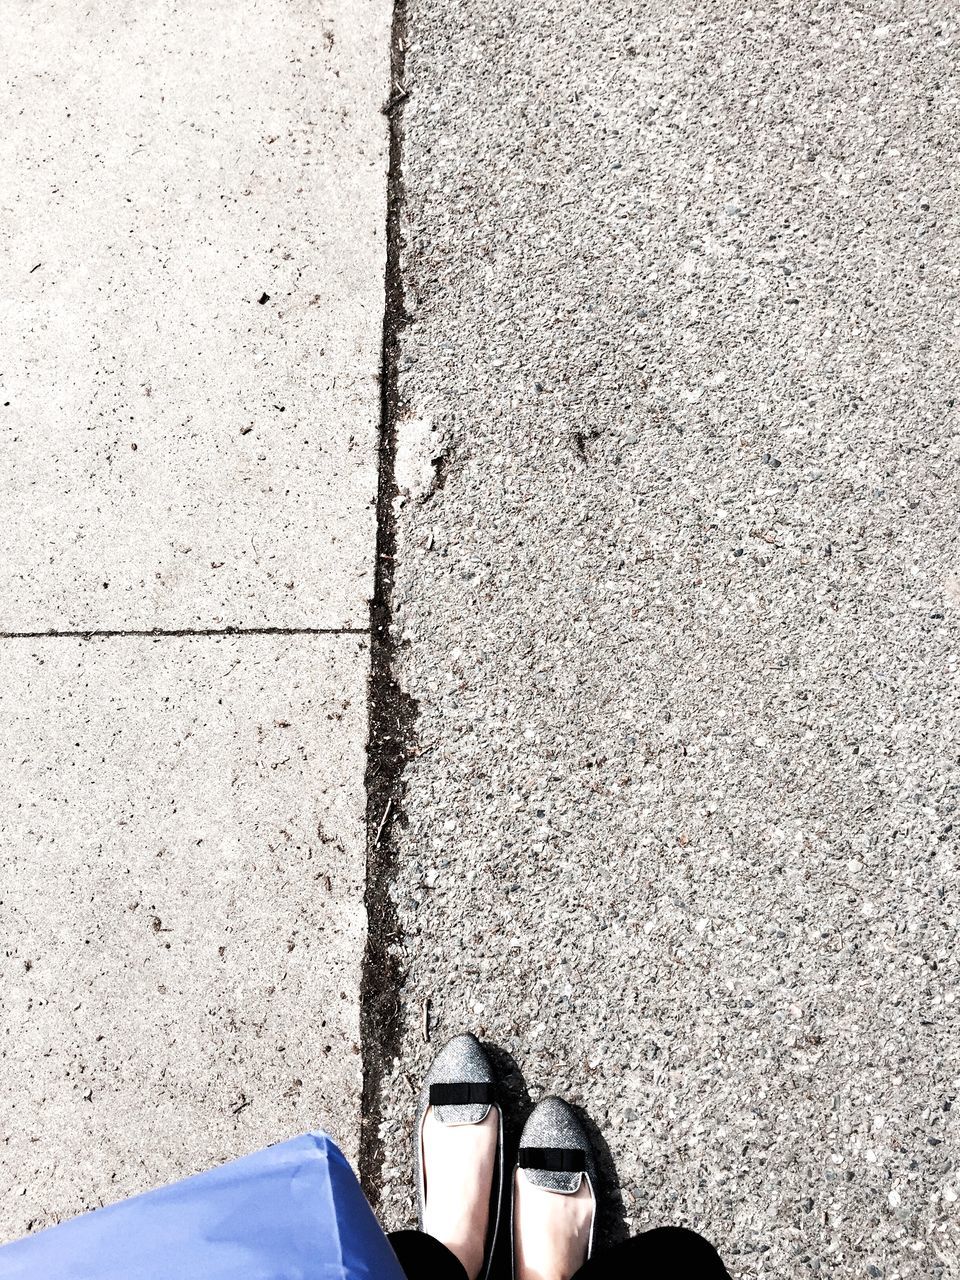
[292, 1212]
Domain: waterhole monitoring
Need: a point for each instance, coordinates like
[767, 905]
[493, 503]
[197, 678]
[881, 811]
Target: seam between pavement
[392, 712]
[160, 632]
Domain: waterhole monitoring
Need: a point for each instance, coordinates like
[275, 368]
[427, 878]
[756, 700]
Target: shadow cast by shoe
[517, 1105]
[611, 1213]
[515, 1097]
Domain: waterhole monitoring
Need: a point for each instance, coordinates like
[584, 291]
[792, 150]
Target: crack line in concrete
[161, 633]
[392, 712]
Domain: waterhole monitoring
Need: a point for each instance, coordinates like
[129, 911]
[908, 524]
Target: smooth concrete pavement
[193, 222]
[184, 856]
[192, 217]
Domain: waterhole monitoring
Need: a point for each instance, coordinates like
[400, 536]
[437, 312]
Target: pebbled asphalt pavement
[678, 599]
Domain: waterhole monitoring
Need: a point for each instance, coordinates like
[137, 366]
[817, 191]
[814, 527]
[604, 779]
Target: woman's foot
[554, 1204]
[459, 1153]
[459, 1163]
[551, 1230]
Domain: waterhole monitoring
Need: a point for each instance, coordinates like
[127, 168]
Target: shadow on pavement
[517, 1105]
[611, 1214]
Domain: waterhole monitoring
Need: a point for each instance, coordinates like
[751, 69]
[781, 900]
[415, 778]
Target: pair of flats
[555, 1155]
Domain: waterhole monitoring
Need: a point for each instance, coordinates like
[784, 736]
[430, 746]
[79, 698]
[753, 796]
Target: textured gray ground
[192, 227]
[182, 815]
[183, 868]
[682, 616]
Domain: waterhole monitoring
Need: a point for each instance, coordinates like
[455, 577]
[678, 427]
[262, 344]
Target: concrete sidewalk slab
[192, 208]
[682, 618]
[182, 904]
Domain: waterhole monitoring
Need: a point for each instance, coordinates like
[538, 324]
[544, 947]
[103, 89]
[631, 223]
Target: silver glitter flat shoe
[461, 1088]
[555, 1153]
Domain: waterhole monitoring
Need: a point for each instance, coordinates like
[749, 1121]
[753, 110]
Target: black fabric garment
[666, 1253]
[424, 1258]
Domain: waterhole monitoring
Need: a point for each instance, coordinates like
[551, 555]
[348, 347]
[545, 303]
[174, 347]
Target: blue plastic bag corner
[292, 1212]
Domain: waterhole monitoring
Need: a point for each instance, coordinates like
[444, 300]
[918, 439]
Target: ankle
[459, 1166]
[552, 1230]
[465, 1247]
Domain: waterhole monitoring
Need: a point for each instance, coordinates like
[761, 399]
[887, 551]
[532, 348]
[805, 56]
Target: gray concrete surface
[678, 597]
[192, 227]
[192, 216]
[181, 904]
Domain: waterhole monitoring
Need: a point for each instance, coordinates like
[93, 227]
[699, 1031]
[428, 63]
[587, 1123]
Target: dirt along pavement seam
[164, 633]
[392, 713]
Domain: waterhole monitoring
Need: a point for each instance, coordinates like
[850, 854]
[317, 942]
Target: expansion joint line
[159, 633]
[392, 713]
